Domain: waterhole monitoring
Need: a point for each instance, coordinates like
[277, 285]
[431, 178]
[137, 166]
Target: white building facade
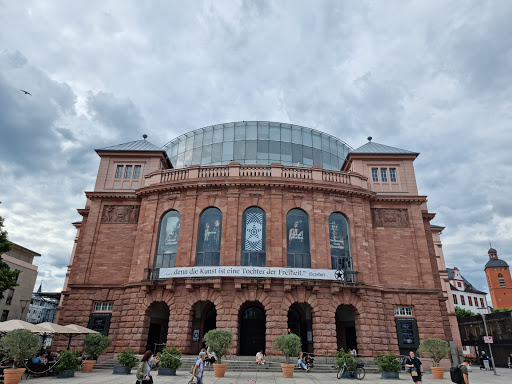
[464, 295]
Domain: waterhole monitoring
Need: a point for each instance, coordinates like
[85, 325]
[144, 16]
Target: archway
[252, 320]
[158, 326]
[204, 320]
[346, 328]
[300, 322]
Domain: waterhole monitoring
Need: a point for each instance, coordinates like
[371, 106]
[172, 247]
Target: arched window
[339, 242]
[209, 237]
[168, 240]
[297, 239]
[254, 237]
[502, 281]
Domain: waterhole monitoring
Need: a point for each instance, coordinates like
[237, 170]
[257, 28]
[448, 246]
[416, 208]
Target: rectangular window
[470, 301]
[455, 300]
[462, 300]
[482, 303]
[403, 311]
[8, 300]
[375, 175]
[384, 174]
[128, 172]
[5, 314]
[103, 307]
[476, 301]
[392, 175]
[119, 172]
[136, 172]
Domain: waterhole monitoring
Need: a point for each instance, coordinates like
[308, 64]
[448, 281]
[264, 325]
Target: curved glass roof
[257, 142]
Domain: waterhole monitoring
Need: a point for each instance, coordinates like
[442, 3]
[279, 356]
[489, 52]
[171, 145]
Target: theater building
[256, 227]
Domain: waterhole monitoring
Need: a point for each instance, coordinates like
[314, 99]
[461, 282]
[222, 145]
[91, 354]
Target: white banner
[291, 273]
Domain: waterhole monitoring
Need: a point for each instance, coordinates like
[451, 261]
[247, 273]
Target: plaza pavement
[105, 376]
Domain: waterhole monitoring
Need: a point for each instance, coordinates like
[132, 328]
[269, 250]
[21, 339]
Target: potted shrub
[170, 361]
[68, 364]
[389, 366]
[127, 359]
[347, 358]
[17, 346]
[219, 341]
[437, 350]
[289, 345]
[94, 345]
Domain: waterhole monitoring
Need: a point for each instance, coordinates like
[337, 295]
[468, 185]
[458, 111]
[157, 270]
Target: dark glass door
[252, 331]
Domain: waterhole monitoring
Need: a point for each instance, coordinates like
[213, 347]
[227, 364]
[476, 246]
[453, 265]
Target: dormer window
[459, 284]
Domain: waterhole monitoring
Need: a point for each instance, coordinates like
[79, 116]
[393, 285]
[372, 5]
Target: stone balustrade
[273, 171]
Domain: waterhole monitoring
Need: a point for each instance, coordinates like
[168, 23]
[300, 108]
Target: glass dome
[257, 142]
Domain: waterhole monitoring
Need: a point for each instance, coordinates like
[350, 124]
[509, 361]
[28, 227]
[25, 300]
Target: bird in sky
[25, 92]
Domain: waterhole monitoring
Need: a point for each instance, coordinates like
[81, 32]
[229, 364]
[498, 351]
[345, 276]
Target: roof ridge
[372, 147]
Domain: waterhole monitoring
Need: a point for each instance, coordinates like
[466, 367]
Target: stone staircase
[248, 364]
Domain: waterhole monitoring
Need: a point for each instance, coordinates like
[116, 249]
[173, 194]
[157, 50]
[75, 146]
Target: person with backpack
[459, 373]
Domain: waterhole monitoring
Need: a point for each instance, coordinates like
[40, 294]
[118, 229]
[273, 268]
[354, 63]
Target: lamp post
[487, 334]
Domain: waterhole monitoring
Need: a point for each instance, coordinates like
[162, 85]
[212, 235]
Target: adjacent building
[43, 306]
[256, 227]
[465, 295]
[497, 272]
[16, 300]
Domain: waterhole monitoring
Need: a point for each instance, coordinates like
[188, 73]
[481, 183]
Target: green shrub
[387, 363]
[19, 345]
[170, 358]
[95, 344]
[219, 341]
[289, 344]
[436, 349]
[68, 360]
[461, 312]
[127, 358]
[347, 358]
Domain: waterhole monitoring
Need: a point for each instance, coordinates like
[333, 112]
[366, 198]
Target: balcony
[259, 172]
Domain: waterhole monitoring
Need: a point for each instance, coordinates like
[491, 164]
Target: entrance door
[300, 322]
[158, 326]
[252, 331]
[346, 328]
[154, 337]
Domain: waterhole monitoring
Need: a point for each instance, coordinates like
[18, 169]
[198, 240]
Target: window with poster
[297, 231]
[254, 237]
[168, 240]
[407, 332]
[209, 237]
[100, 322]
[339, 242]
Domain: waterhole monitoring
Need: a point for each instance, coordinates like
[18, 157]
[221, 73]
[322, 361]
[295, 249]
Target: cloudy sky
[428, 76]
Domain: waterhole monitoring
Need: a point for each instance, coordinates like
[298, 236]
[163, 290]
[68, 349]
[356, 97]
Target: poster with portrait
[210, 231]
[169, 233]
[297, 229]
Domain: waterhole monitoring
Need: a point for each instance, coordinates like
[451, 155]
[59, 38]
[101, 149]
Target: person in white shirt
[259, 358]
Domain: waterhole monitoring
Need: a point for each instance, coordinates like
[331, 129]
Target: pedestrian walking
[416, 368]
[198, 368]
[142, 375]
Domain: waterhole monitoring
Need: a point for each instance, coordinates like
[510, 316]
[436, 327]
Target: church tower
[498, 278]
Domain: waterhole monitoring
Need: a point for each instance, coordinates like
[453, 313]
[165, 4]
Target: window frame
[462, 300]
[208, 258]
[103, 306]
[401, 311]
[375, 175]
[298, 259]
[455, 301]
[247, 258]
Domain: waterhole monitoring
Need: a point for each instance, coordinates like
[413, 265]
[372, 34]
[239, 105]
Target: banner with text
[291, 273]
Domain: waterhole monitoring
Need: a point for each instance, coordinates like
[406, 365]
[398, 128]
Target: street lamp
[487, 334]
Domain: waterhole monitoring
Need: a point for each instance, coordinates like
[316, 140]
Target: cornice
[400, 199]
[111, 195]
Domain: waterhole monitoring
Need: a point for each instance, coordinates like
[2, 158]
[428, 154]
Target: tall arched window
[502, 281]
[209, 237]
[297, 239]
[339, 242]
[168, 240]
[254, 237]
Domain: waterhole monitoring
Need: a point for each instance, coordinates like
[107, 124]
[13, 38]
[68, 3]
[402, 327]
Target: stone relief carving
[120, 214]
[384, 217]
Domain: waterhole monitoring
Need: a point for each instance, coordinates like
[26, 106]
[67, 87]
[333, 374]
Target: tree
[461, 312]
[8, 277]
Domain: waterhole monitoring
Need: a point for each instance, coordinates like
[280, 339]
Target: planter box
[88, 365]
[287, 370]
[120, 370]
[66, 374]
[390, 375]
[13, 376]
[219, 369]
[166, 372]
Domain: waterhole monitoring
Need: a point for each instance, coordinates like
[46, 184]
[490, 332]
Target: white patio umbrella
[11, 325]
[78, 330]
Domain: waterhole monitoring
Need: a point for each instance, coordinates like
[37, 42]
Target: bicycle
[359, 372]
